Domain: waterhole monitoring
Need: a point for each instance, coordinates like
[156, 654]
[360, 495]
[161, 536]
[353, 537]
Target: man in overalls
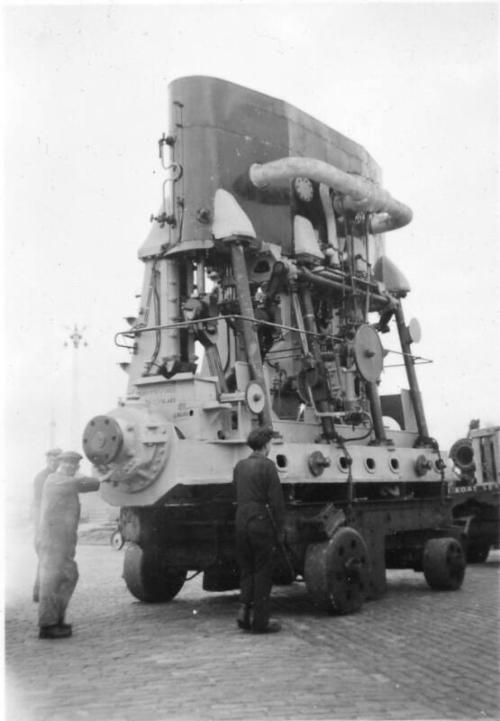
[57, 537]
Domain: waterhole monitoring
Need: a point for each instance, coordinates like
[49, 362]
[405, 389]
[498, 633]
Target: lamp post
[76, 339]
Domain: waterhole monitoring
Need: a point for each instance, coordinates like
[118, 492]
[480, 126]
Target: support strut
[410, 372]
[249, 334]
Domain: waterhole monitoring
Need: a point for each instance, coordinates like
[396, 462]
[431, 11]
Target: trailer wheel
[147, 576]
[336, 572]
[444, 563]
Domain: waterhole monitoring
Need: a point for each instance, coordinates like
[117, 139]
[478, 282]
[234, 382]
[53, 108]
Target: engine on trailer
[266, 296]
[475, 489]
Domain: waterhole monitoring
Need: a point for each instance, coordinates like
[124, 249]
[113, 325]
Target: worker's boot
[243, 618]
[67, 626]
[54, 632]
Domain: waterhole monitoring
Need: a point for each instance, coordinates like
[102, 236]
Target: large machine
[475, 489]
[266, 294]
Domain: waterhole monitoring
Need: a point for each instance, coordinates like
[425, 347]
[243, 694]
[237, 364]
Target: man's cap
[54, 452]
[70, 456]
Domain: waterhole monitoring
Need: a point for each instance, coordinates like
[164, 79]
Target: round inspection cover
[102, 440]
[255, 397]
[368, 353]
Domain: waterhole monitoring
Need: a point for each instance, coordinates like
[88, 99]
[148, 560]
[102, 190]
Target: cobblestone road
[414, 654]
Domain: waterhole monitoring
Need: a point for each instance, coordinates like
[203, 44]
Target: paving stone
[413, 654]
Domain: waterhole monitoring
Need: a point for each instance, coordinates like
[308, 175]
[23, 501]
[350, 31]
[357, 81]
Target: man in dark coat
[259, 528]
[57, 537]
[40, 478]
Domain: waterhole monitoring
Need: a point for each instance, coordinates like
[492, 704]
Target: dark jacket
[257, 485]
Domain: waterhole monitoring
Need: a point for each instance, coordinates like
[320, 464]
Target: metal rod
[234, 316]
[250, 336]
[410, 372]
[309, 320]
[376, 411]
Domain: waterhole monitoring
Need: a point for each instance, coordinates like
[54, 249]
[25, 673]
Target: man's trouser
[58, 578]
[255, 547]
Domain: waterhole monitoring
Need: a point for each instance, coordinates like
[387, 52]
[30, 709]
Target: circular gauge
[304, 189]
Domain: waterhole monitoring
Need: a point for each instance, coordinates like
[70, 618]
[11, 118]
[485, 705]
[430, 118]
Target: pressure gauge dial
[304, 189]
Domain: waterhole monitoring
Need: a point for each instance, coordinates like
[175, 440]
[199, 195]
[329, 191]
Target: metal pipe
[322, 280]
[360, 194]
[331, 227]
[299, 320]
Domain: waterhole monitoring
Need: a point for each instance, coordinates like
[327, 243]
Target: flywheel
[336, 572]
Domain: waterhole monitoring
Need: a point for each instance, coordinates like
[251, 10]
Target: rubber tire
[147, 576]
[326, 574]
[444, 563]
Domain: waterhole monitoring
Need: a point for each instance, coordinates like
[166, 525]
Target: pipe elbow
[359, 193]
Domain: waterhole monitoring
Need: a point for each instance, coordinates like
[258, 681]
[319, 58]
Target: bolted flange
[102, 440]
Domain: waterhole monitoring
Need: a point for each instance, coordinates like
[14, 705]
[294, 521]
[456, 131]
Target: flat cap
[54, 452]
[70, 456]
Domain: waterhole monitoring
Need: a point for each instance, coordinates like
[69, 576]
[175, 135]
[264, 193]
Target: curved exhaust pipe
[462, 455]
[360, 194]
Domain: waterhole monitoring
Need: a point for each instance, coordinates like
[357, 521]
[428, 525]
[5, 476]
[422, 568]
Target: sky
[84, 103]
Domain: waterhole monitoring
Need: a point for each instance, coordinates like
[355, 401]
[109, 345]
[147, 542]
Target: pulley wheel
[336, 572]
[368, 353]
[255, 397]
